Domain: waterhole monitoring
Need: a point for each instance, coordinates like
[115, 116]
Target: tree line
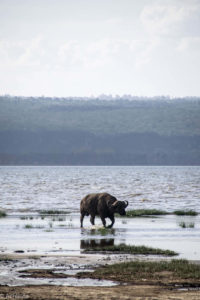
[66, 131]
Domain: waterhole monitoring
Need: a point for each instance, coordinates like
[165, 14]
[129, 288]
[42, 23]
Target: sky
[91, 47]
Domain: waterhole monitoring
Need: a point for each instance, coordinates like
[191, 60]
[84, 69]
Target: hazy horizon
[106, 97]
[86, 48]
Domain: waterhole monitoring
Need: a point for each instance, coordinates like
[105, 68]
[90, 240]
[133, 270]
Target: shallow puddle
[16, 273]
[64, 282]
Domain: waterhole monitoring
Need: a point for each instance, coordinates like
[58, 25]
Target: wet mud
[66, 277]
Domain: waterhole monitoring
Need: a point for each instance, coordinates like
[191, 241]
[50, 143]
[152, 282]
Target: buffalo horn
[114, 203]
[126, 202]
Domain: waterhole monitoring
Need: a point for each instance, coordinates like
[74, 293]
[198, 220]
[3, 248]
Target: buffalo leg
[113, 221]
[103, 221]
[92, 219]
[81, 219]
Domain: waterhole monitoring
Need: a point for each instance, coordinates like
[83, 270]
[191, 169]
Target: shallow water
[50, 236]
[29, 189]
[15, 273]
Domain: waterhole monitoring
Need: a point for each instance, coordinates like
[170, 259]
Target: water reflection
[98, 231]
[94, 243]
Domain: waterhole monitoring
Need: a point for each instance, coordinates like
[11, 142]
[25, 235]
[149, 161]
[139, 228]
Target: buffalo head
[119, 207]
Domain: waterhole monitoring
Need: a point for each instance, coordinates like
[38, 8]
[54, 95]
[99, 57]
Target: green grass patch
[28, 226]
[133, 271]
[2, 214]
[145, 212]
[53, 212]
[156, 212]
[186, 225]
[185, 213]
[182, 224]
[128, 249]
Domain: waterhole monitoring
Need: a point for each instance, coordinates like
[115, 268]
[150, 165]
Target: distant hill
[84, 131]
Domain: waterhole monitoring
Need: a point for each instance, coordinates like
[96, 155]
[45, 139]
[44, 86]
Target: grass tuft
[155, 212]
[128, 249]
[53, 212]
[185, 213]
[2, 214]
[145, 212]
[186, 225]
[28, 226]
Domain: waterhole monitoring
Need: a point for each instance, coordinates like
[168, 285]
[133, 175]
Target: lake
[27, 190]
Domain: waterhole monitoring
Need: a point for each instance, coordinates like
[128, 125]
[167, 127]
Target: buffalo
[103, 205]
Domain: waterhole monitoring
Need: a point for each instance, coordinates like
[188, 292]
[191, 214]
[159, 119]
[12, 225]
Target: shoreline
[42, 266]
[91, 257]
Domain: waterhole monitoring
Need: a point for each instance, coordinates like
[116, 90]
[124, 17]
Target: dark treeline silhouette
[82, 148]
[48, 131]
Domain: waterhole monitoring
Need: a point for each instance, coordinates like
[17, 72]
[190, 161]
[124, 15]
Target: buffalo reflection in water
[91, 243]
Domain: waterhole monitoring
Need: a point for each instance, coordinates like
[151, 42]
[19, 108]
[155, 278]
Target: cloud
[94, 54]
[143, 49]
[33, 53]
[24, 53]
[76, 56]
[190, 45]
[69, 53]
[123, 50]
[179, 18]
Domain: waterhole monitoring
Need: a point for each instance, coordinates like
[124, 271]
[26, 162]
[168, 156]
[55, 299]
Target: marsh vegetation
[186, 225]
[128, 249]
[136, 270]
[2, 214]
[156, 212]
[53, 212]
[185, 213]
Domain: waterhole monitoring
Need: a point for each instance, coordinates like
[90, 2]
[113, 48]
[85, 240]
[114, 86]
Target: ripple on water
[164, 187]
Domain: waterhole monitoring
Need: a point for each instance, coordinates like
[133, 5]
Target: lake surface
[29, 189]
[24, 191]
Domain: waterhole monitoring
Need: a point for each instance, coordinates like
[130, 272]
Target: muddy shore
[42, 261]
[48, 277]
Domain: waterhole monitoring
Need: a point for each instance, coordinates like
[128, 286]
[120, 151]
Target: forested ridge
[93, 131]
